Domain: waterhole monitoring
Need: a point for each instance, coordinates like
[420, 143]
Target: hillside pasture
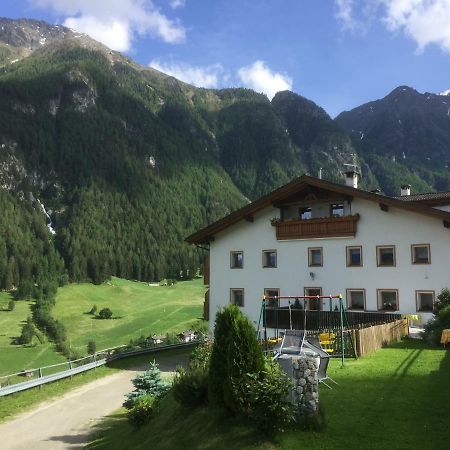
[138, 309]
[13, 357]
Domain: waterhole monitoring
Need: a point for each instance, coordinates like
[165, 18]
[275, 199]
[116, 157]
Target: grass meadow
[138, 309]
[14, 358]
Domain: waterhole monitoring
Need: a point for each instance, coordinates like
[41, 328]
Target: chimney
[405, 190]
[352, 178]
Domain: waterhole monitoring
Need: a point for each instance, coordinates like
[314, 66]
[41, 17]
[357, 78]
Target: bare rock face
[12, 171]
[30, 34]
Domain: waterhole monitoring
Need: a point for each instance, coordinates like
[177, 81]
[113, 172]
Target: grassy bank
[395, 398]
[138, 307]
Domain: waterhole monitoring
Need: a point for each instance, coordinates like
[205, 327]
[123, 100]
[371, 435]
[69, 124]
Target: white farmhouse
[315, 237]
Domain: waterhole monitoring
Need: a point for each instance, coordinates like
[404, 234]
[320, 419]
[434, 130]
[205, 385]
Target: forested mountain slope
[128, 161]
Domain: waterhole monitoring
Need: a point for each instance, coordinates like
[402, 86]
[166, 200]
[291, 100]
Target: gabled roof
[428, 198]
[206, 234]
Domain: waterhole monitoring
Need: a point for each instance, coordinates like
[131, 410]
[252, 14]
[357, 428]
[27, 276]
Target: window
[272, 302]
[237, 260]
[354, 256]
[356, 299]
[425, 301]
[387, 299]
[237, 297]
[314, 304]
[337, 210]
[304, 213]
[269, 258]
[420, 254]
[386, 255]
[315, 257]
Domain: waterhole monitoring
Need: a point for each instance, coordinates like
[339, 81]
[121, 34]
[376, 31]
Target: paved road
[66, 423]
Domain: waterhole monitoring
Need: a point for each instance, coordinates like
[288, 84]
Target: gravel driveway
[66, 423]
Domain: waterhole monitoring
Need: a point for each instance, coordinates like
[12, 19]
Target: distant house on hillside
[314, 237]
[158, 339]
[186, 336]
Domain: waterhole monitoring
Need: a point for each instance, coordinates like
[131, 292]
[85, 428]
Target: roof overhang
[276, 197]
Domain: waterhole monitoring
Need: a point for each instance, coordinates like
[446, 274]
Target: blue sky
[338, 53]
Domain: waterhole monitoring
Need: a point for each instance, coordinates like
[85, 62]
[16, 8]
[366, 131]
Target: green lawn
[14, 358]
[397, 398]
[141, 310]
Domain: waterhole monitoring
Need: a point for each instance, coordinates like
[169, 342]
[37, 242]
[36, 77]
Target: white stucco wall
[375, 227]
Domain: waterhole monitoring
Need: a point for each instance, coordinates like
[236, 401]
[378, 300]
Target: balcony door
[314, 304]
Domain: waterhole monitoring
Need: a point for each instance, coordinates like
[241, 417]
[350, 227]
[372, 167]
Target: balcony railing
[317, 228]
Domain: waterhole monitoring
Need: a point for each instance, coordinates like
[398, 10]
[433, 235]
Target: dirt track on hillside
[66, 422]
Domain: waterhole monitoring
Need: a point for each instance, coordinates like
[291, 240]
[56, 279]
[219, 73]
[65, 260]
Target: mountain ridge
[129, 160]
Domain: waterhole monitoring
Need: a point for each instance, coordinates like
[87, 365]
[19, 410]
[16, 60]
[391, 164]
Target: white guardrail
[98, 360]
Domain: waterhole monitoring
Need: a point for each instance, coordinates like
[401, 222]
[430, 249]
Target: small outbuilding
[186, 336]
[158, 339]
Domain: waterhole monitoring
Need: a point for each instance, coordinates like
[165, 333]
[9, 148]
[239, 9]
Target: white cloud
[115, 22]
[174, 4]
[208, 76]
[114, 34]
[344, 13]
[259, 77]
[427, 22]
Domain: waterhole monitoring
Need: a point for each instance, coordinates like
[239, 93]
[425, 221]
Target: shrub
[142, 410]
[235, 353]
[11, 305]
[39, 335]
[264, 398]
[148, 382]
[91, 347]
[190, 388]
[105, 313]
[433, 329]
[171, 338]
[201, 356]
[93, 310]
[28, 332]
[443, 300]
[24, 291]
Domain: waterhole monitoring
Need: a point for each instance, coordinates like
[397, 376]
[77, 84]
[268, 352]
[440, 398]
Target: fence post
[40, 376]
[70, 367]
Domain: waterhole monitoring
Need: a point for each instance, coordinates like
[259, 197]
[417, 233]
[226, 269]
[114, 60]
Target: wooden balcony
[326, 227]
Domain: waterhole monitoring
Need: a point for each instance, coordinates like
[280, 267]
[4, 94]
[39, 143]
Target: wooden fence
[369, 339]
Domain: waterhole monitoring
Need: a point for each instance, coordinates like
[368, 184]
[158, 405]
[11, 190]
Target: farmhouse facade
[314, 237]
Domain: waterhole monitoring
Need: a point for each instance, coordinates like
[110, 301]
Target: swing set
[327, 338]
